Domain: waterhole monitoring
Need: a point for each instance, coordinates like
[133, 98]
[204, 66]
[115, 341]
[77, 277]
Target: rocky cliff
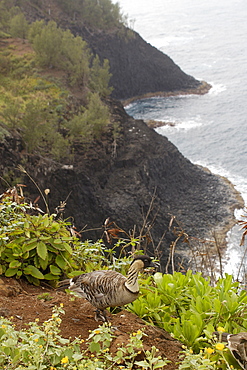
[140, 182]
[137, 68]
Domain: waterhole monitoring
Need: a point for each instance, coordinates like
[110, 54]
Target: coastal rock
[140, 182]
[138, 69]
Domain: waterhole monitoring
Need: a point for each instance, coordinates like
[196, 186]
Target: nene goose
[237, 344]
[107, 288]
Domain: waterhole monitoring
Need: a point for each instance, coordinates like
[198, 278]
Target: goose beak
[155, 264]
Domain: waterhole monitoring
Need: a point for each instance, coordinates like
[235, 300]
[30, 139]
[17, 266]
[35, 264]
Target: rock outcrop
[137, 68]
[122, 179]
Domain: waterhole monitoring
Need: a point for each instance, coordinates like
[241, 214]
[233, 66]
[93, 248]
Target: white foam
[216, 88]
[178, 125]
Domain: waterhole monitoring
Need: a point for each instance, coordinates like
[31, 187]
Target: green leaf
[31, 270]
[57, 241]
[55, 270]
[42, 250]
[11, 272]
[94, 347]
[43, 263]
[51, 277]
[68, 248]
[30, 245]
[60, 261]
[14, 264]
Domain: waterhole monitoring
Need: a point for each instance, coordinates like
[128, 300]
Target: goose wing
[101, 288]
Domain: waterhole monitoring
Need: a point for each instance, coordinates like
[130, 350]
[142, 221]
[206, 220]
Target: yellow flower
[36, 339]
[65, 360]
[191, 351]
[3, 326]
[134, 334]
[97, 331]
[220, 329]
[61, 305]
[219, 346]
[139, 332]
[37, 320]
[209, 350]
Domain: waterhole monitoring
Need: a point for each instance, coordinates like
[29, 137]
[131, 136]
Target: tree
[19, 26]
[48, 45]
[91, 122]
[35, 29]
[75, 57]
[100, 77]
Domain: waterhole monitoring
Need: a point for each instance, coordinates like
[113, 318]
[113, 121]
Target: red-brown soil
[22, 302]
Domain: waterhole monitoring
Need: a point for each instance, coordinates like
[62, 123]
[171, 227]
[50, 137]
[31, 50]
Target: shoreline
[202, 89]
[236, 201]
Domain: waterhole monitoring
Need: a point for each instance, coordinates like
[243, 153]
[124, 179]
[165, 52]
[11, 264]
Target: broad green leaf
[42, 250]
[30, 245]
[31, 270]
[11, 272]
[14, 264]
[46, 222]
[67, 248]
[60, 261]
[51, 277]
[55, 270]
[94, 347]
[57, 241]
[75, 273]
[44, 263]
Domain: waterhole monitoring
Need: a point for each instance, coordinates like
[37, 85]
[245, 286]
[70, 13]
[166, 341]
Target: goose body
[107, 288]
[237, 344]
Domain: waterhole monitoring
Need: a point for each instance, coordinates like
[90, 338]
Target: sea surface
[207, 39]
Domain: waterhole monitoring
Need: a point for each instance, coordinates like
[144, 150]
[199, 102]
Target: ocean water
[207, 39]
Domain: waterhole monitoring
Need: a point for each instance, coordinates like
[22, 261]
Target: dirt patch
[17, 46]
[21, 301]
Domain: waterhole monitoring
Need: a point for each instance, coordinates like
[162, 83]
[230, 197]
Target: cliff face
[137, 67]
[122, 181]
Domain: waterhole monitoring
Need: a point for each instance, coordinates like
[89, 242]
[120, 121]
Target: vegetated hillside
[137, 68]
[128, 173]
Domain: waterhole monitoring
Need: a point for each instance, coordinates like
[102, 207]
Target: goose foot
[101, 315]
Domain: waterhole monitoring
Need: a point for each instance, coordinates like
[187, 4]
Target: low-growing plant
[187, 306]
[215, 356]
[42, 347]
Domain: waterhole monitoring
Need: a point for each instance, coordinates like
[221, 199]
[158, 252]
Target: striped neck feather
[132, 278]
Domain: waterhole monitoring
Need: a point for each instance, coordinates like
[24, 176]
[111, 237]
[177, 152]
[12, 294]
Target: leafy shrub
[34, 246]
[91, 122]
[190, 308]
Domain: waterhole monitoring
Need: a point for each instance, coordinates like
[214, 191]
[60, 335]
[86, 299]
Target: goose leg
[100, 315]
